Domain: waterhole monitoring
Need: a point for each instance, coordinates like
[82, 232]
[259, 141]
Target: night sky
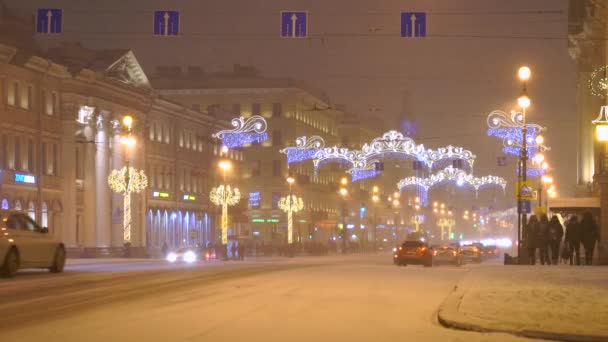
[447, 82]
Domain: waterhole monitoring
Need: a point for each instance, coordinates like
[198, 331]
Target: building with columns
[587, 29]
[60, 114]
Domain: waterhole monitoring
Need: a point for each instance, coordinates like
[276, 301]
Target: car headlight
[171, 257]
[394, 249]
[189, 256]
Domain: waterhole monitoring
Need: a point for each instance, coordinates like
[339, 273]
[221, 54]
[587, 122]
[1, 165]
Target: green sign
[262, 220]
[258, 220]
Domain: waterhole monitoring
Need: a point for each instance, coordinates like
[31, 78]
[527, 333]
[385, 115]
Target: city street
[352, 298]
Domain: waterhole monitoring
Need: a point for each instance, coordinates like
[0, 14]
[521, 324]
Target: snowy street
[353, 298]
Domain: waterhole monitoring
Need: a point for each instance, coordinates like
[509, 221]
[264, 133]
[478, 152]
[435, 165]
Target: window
[276, 196]
[256, 109]
[30, 156]
[26, 101]
[54, 103]
[31, 210]
[12, 97]
[55, 160]
[277, 110]
[152, 134]
[277, 139]
[45, 215]
[276, 168]
[236, 109]
[4, 204]
[256, 168]
[254, 200]
[17, 151]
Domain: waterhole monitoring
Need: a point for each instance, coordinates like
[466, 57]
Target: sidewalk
[566, 303]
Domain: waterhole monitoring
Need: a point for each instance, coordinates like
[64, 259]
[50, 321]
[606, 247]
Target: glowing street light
[290, 204]
[524, 73]
[224, 196]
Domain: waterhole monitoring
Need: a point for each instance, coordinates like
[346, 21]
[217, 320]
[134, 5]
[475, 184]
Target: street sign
[48, 20]
[166, 23]
[525, 207]
[294, 24]
[525, 190]
[413, 24]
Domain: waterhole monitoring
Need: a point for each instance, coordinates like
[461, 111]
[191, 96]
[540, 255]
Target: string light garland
[508, 127]
[224, 196]
[598, 82]
[290, 204]
[450, 153]
[126, 182]
[246, 131]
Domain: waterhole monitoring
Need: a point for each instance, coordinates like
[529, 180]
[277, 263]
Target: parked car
[491, 252]
[413, 252]
[185, 254]
[471, 253]
[24, 244]
[446, 254]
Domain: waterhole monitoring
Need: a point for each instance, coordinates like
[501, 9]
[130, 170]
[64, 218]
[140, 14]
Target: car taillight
[454, 253]
[434, 252]
[475, 250]
[400, 248]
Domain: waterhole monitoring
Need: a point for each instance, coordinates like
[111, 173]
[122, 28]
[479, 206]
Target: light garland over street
[246, 131]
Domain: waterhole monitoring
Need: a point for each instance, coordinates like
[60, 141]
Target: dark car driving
[413, 252]
[446, 254]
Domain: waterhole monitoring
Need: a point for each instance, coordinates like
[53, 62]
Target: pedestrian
[543, 239]
[589, 235]
[531, 235]
[573, 239]
[233, 249]
[164, 249]
[556, 232]
[241, 251]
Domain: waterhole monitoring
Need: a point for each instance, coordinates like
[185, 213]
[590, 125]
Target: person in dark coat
[589, 235]
[233, 250]
[531, 235]
[573, 239]
[241, 250]
[556, 232]
[543, 240]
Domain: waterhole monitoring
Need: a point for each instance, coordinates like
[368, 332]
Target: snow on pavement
[560, 299]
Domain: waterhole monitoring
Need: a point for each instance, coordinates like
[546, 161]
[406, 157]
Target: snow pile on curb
[559, 302]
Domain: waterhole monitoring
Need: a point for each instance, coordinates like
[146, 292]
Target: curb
[449, 317]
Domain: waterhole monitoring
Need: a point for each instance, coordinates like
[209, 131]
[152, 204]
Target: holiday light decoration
[360, 174]
[224, 196]
[450, 153]
[305, 149]
[245, 131]
[444, 223]
[508, 127]
[391, 144]
[598, 82]
[417, 221]
[290, 204]
[126, 181]
[334, 154]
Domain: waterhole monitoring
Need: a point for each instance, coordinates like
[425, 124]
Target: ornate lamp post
[343, 194]
[524, 102]
[375, 200]
[127, 180]
[290, 204]
[444, 223]
[224, 196]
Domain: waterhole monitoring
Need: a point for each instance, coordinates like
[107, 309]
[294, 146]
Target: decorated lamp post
[224, 196]
[417, 220]
[127, 180]
[290, 204]
[444, 223]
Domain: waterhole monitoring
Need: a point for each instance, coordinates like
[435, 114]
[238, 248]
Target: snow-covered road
[354, 298]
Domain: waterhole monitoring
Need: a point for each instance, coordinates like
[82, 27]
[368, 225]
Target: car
[446, 254]
[491, 251]
[24, 244]
[413, 252]
[471, 253]
[185, 254]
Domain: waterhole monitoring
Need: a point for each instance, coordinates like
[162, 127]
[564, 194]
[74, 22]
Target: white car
[24, 244]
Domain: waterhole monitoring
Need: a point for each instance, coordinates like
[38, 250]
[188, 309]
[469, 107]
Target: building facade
[60, 115]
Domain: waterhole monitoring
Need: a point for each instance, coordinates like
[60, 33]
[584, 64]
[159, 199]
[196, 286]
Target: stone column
[117, 161]
[90, 199]
[102, 190]
[602, 181]
[66, 231]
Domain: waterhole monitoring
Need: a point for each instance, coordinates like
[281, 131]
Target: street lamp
[224, 196]
[524, 102]
[127, 179]
[375, 200]
[343, 194]
[601, 130]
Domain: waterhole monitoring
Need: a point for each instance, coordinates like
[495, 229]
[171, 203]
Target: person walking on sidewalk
[543, 240]
[573, 239]
[589, 235]
[556, 232]
[531, 234]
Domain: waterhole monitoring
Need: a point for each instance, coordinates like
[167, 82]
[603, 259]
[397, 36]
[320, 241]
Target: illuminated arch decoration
[369, 171]
[450, 174]
[598, 82]
[334, 154]
[508, 127]
[444, 156]
[245, 131]
[391, 144]
[305, 149]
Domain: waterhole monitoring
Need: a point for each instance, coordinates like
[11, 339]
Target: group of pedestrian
[545, 236]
